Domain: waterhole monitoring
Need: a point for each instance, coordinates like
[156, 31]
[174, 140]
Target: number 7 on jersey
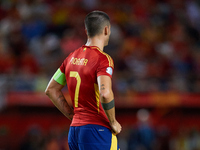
[76, 75]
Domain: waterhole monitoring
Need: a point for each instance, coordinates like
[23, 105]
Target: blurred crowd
[142, 135]
[154, 43]
[36, 139]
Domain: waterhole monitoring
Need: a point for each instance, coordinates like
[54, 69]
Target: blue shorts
[91, 137]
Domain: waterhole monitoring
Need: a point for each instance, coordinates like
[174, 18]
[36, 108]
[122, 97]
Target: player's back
[81, 69]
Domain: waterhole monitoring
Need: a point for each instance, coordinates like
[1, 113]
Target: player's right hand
[116, 127]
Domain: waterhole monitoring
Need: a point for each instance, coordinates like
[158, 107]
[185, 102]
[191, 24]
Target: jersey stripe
[108, 57]
[97, 95]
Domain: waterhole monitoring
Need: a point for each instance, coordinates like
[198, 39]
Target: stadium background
[156, 49]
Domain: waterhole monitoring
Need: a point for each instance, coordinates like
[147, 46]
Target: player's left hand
[116, 127]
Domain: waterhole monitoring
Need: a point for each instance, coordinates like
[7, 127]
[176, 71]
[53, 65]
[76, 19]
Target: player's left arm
[53, 91]
[107, 101]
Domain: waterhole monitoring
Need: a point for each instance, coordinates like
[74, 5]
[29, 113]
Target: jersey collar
[92, 47]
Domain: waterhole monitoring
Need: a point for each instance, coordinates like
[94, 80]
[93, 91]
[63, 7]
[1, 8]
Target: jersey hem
[83, 124]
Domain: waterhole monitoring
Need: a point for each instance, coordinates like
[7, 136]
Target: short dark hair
[95, 21]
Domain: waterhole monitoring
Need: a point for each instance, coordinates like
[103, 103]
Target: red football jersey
[81, 69]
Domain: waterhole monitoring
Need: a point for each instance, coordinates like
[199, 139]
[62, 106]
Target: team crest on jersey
[109, 70]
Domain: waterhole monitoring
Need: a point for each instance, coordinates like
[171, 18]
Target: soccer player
[88, 72]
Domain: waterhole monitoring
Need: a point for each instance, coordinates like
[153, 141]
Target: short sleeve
[106, 66]
[62, 68]
[63, 65]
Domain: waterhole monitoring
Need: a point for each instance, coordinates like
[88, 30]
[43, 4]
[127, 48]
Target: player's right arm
[107, 101]
[53, 91]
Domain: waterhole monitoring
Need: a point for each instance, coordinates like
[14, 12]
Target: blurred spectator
[143, 135]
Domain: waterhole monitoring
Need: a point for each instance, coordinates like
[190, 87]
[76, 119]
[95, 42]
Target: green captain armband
[59, 77]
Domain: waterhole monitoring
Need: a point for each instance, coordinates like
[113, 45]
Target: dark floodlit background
[156, 49]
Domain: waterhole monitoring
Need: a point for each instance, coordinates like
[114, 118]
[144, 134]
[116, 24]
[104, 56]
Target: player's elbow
[48, 91]
[106, 95]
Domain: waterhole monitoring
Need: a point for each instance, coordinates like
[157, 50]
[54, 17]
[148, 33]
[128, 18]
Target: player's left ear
[86, 31]
[106, 30]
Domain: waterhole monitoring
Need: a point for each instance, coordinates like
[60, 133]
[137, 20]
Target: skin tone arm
[106, 96]
[53, 91]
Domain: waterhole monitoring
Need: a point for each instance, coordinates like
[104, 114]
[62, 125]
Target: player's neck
[95, 41]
